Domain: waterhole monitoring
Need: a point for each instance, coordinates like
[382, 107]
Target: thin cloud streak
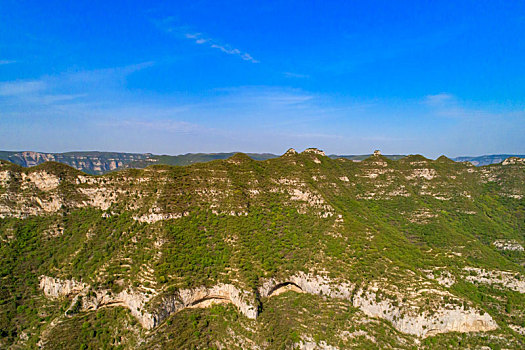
[447, 105]
[21, 87]
[50, 89]
[439, 99]
[101, 102]
[295, 75]
[199, 39]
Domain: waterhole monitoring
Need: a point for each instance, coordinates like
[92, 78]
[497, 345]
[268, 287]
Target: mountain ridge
[417, 251]
[99, 162]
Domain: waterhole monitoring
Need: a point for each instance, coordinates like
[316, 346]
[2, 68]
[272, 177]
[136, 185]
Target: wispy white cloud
[439, 99]
[2, 62]
[50, 89]
[265, 95]
[99, 111]
[21, 87]
[295, 75]
[114, 74]
[198, 38]
[450, 106]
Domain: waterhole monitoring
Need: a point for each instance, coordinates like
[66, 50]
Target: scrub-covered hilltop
[299, 251]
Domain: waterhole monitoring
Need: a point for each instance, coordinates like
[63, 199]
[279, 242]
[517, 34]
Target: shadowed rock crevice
[285, 287]
[210, 300]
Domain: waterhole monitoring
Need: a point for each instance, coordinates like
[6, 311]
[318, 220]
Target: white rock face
[35, 158]
[503, 244]
[43, 180]
[137, 302]
[425, 173]
[133, 300]
[154, 217]
[290, 152]
[504, 279]
[99, 197]
[442, 277]
[56, 287]
[5, 176]
[204, 297]
[309, 284]
[448, 318]
[513, 161]
[49, 206]
[519, 329]
[309, 344]
[314, 151]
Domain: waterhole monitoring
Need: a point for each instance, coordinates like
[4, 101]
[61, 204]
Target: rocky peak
[513, 161]
[314, 151]
[377, 152]
[290, 152]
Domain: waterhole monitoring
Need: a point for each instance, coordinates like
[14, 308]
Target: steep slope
[297, 251]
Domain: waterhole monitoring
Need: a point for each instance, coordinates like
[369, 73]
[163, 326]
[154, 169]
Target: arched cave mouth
[285, 287]
[209, 300]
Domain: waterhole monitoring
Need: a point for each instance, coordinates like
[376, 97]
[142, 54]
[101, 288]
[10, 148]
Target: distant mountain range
[88, 162]
[97, 163]
[487, 159]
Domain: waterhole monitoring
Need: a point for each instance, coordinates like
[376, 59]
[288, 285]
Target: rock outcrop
[442, 318]
[503, 279]
[445, 318]
[512, 245]
[204, 297]
[56, 287]
[513, 161]
[317, 285]
[290, 152]
[92, 300]
[406, 318]
[138, 302]
[91, 162]
[314, 151]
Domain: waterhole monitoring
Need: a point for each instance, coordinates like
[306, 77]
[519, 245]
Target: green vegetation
[242, 222]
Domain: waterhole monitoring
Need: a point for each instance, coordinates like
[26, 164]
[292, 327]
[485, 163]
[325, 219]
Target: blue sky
[428, 77]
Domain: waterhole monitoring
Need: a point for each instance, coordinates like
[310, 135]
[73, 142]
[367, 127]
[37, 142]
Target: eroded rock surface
[406, 317]
[137, 301]
[504, 244]
[504, 279]
[444, 318]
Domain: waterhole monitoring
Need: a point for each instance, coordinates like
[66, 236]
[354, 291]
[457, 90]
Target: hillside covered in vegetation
[299, 251]
[98, 163]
